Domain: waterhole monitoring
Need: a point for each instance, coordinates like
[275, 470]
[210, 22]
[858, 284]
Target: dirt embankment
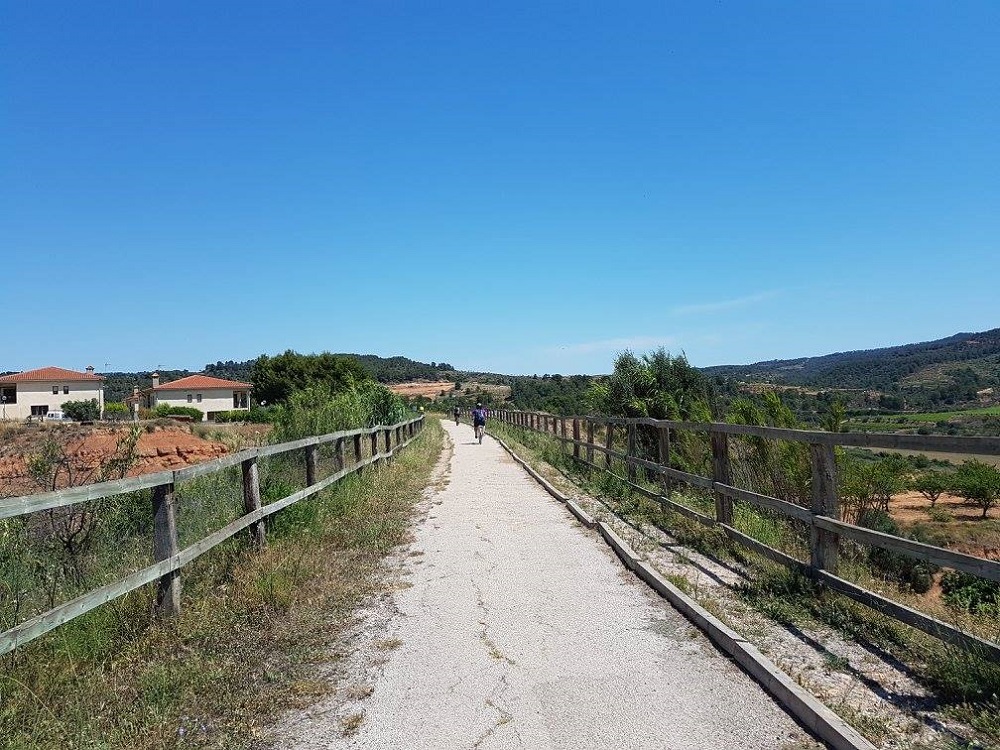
[82, 451]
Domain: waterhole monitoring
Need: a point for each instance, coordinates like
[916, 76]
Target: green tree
[931, 484]
[657, 385]
[978, 483]
[276, 378]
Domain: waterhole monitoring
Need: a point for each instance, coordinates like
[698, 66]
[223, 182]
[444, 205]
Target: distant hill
[968, 360]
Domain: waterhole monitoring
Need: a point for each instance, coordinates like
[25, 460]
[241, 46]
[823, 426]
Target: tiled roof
[202, 382]
[49, 373]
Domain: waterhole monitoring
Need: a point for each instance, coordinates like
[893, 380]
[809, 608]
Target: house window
[189, 398]
[55, 390]
[9, 394]
[40, 410]
[239, 400]
[65, 390]
[199, 398]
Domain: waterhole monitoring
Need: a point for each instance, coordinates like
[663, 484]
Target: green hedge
[165, 410]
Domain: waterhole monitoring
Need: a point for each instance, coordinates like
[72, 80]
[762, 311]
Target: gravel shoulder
[510, 626]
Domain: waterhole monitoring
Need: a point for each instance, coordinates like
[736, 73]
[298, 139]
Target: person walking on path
[479, 421]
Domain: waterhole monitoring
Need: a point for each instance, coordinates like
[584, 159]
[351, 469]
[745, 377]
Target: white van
[56, 416]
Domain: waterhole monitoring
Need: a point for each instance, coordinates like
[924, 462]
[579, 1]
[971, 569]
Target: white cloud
[614, 345]
[721, 306]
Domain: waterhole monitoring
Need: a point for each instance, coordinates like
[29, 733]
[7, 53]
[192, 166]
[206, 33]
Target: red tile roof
[50, 373]
[203, 382]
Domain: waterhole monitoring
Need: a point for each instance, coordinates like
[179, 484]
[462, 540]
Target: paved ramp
[521, 630]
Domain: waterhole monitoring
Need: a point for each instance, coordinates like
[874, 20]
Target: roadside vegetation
[255, 627]
[952, 499]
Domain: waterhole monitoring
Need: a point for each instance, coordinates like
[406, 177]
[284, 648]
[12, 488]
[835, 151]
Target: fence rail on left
[168, 557]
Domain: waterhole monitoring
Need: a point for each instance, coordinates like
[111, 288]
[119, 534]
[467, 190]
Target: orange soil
[86, 450]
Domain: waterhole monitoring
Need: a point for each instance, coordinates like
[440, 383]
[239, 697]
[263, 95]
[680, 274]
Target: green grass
[253, 631]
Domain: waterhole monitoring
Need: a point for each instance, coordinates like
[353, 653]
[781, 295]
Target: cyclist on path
[479, 421]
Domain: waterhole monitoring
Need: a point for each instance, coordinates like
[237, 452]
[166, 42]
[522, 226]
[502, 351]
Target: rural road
[521, 630]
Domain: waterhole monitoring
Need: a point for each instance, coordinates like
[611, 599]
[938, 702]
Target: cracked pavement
[521, 630]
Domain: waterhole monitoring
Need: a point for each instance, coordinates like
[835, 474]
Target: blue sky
[523, 188]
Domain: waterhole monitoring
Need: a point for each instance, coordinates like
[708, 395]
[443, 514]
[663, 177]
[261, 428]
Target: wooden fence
[384, 442]
[822, 519]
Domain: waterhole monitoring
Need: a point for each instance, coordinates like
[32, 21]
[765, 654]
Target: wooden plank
[609, 439]
[17, 506]
[590, 441]
[210, 467]
[43, 623]
[765, 501]
[251, 499]
[168, 595]
[576, 438]
[925, 623]
[764, 550]
[976, 446]
[977, 566]
[720, 475]
[692, 479]
[823, 544]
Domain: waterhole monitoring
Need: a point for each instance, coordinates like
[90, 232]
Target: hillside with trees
[943, 374]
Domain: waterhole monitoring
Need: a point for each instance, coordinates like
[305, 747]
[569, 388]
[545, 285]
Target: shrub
[971, 594]
[893, 565]
[165, 410]
[116, 410]
[82, 411]
[235, 415]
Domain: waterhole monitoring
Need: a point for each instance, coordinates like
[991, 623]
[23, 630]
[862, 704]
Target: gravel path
[520, 630]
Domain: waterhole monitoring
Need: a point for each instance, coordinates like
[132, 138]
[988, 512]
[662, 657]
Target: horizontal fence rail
[822, 520]
[170, 559]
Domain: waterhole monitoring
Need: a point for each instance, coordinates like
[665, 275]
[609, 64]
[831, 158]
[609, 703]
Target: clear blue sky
[510, 187]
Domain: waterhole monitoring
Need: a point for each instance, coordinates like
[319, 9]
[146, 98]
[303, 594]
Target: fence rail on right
[792, 473]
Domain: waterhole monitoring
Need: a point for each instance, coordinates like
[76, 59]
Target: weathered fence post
[375, 451]
[590, 441]
[664, 435]
[338, 454]
[609, 440]
[631, 451]
[312, 464]
[357, 451]
[168, 594]
[562, 423]
[251, 499]
[576, 437]
[720, 474]
[825, 502]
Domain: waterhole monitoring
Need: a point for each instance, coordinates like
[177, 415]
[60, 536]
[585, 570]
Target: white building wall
[212, 399]
[39, 393]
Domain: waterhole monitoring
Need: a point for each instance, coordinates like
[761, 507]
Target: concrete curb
[818, 718]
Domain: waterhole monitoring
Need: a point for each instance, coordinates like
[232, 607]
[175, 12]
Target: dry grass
[254, 631]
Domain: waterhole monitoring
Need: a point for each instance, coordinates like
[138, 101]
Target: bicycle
[480, 431]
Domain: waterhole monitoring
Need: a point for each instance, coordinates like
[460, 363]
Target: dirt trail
[520, 630]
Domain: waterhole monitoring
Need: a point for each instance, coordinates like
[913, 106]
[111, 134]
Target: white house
[34, 393]
[208, 394]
